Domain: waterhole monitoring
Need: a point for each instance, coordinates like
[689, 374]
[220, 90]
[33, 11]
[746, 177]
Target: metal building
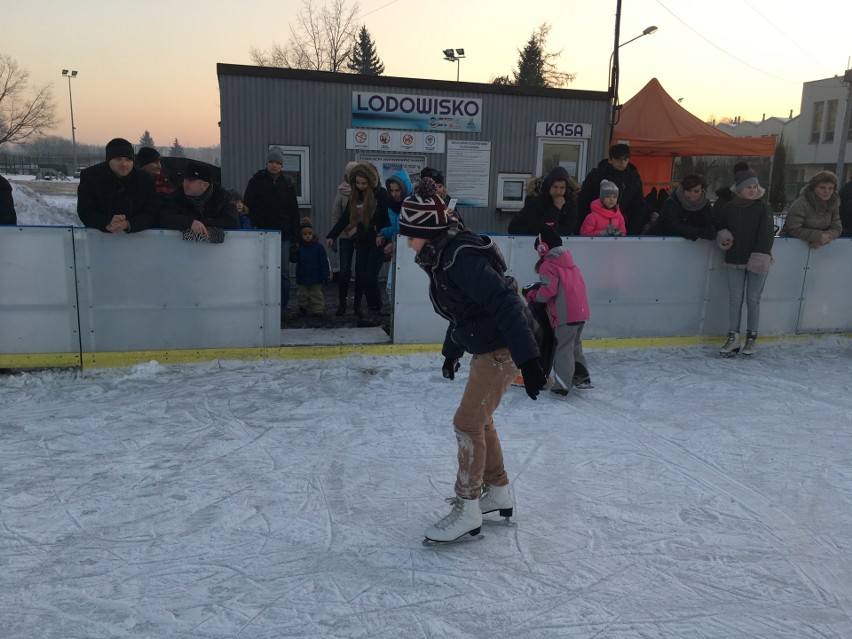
[487, 139]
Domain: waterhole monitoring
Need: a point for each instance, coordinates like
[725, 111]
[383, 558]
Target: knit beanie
[306, 224]
[547, 239]
[423, 213]
[743, 179]
[146, 155]
[275, 155]
[119, 148]
[608, 188]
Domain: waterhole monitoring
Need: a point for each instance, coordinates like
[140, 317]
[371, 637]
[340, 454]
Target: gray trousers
[569, 350]
[748, 285]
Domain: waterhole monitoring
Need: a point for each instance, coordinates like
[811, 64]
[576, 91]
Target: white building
[817, 142]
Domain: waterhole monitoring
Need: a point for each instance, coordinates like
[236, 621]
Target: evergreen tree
[146, 140]
[176, 150]
[777, 186]
[536, 67]
[363, 58]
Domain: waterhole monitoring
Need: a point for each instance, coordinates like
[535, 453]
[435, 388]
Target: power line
[798, 46]
[727, 53]
[364, 15]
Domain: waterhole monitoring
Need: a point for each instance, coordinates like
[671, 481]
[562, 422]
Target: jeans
[480, 455]
[369, 259]
[285, 273]
[743, 283]
[345, 250]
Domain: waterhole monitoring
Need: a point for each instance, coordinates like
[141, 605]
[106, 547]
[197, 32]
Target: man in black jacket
[198, 205]
[845, 194]
[631, 200]
[115, 196]
[271, 201]
[7, 204]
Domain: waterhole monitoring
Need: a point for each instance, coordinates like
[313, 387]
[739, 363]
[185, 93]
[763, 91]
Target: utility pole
[844, 130]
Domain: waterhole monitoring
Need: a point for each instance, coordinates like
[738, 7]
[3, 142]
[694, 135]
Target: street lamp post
[613, 68]
[454, 56]
[72, 74]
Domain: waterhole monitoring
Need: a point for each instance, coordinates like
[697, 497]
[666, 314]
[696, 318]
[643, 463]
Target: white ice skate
[464, 519]
[732, 346]
[496, 498]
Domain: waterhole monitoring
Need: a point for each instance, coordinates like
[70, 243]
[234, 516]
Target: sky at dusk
[152, 65]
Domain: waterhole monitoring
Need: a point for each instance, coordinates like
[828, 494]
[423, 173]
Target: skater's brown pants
[480, 454]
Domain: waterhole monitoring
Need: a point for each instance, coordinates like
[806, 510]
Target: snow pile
[34, 209]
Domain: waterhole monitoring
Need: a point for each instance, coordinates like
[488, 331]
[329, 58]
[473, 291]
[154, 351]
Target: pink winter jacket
[600, 217]
[562, 288]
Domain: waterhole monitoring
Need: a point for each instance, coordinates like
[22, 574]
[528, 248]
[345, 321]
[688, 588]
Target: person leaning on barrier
[114, 196]
[846, 208]
[198, 205]
[7, 204]
[631, 198]
[815, 216]
[687, 213]
[548, 203]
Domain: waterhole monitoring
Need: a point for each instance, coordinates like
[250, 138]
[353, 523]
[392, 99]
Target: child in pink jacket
[564, 293]
[604, 216]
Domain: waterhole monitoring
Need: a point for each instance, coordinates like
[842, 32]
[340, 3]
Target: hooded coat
[540, 209]
[401, 178]
[809, 217]
[562, 289]
[599, 218]
[364, 235]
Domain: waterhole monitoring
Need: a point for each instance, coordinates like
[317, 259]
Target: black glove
[534, 377]
[450, 367]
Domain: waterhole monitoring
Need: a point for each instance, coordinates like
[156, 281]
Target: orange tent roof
[655, 125]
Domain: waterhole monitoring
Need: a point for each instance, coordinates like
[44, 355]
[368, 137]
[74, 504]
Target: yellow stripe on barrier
[40, 360]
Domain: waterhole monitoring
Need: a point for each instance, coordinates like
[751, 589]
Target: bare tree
[320, 39]
[22, 113]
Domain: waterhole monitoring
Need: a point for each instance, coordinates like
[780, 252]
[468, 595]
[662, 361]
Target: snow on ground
[35, 209]
[684, 496]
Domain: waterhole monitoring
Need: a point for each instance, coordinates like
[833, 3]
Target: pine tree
[363, 58]
[146, 140]
[536, 67]
[777, 186]
[176, 151]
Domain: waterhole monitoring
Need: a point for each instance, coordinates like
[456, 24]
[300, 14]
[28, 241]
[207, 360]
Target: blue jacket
[311, 263]
[468, 287]
[401, 177]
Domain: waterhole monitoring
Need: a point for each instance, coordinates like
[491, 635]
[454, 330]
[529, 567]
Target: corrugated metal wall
[260, 106]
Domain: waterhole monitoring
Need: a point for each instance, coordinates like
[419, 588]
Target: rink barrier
[81, 298]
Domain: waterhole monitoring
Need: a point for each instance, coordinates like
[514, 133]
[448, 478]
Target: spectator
[846, 208]
[687, 213]
[551, 204]
[368, 211]
[242, 209]
[726, 193]
[438, 178]
[311, 270]
[198, 205]
[271, 200]
[345, 246]
[148, 160]
[746, 233]
[605, 217]
[631, 200]
[7, 203]
[398, 187]
[487, 318]
[114, 196]
[815, 216]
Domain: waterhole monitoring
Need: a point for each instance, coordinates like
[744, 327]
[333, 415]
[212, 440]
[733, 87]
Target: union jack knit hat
[423, 214]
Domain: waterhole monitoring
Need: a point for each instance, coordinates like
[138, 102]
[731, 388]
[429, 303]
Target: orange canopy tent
[658, 130]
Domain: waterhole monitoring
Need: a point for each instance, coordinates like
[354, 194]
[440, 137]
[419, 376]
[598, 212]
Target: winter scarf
[689, 205]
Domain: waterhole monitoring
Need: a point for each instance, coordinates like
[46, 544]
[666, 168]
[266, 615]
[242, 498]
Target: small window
[297, 162]
[553, 152]
[830, 121]
[511, 189]
[816, 123]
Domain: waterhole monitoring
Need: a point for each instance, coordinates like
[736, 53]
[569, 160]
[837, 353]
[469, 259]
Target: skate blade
[584, 386]
[503, 521]
[733, 353]
[431, 543]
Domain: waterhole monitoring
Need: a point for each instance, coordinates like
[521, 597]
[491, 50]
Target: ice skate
[464, 519]
[732, 346]
[496, 498]
[560, 393]
[749, 348]
[582, 383]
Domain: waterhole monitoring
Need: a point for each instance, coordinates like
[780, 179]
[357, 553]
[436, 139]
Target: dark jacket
[365, 236]
[540, 210]
[676, 220]
[467, 286]
[7, 204]
[215, 208]
[272, 204]
[102, 194]
[311, 263]
[845, 194]
[631, 200]
[751, 224]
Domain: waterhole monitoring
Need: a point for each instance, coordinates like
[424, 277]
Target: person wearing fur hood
[345, 246]
[815, 216]
[548, 202]
[746, 234]
[367, 210]
[563, 291]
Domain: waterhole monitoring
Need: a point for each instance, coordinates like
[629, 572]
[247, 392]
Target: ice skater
[487, 318]
[563, 290]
